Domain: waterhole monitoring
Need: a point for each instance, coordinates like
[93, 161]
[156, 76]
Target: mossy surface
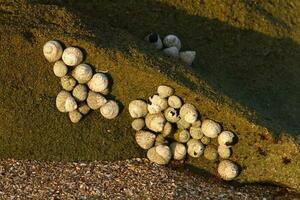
[245, 77]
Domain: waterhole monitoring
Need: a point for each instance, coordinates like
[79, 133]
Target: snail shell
[189, 113]
[182, 136]
[95, 100]
[154, 39]
[171, 115]
[167, 129]
[72, 56]
[52, 51]
[172, 41]
[226, 138]
[171, 52]
[145, 139]
[162, 103]
[67, 82]
[137, 108]
[84, 109]
[110, 110]
[196, 132]
[98, 83]
[195, 148]
[160, 154]
[75, 116]
[224, 151]
[211, 152]
[80, 92]
[228, 170]
[155, 122]
[165, 91]
[70, 104]
[211, 128]
[174, 102]
[60, 69]
[138, 124]
[182, 124]
[82, 73]
[61, 100]
[153, 108]
[178, 150]
[205, 140]
[187, 57]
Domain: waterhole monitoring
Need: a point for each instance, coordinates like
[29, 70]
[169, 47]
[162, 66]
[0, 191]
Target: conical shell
[70, 104]
[160, 154]
[171, 52]
[60, 69]
[110, 110]
[171, 115]
[228, 170]
[98, 83]
[80, 92]
[187, 57]
[145, 139]
[211, 128]
[195, 148]
[67, 82]
[155, 122]
[52, 51]
[75, 116]
[137, 108]
[72, 56]
[61, 100]
[95, 100]
[174, 102]
[138, 124]
[226, 138]
[172, 41]
[82, 73]
[165, 91]
[178, 150]
[189, 113]
[182, 136]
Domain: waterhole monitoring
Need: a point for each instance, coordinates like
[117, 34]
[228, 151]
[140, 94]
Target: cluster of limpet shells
[171, 46]
[82, 90]
[169, 128]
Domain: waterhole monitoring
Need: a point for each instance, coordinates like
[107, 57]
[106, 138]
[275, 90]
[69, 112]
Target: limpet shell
[72, 56]
[60, 69]
[178, 150]
[165, 91]
[61, 100]
[138, 124]
[171, 52]
[82, 73]
[75, 116]
[187, 57]
[172, 41]
[160, 154]
[155, 122]
[228, 170]
[70, 104]
[137, 108]
[159, 101]
[52, 51]
[195, 148]
[67, 82]
[189, 113]
[226, 138]
[210, 128]
[110, 110]
[80, 92]
[95, 100]
[98, 83]
[145, 139]
[174, 102]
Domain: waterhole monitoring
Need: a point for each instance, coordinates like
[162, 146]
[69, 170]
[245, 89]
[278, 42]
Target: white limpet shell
[154, 39]
[210, 128]
[195, 148]
[178, 150]
[165, 91]
[72, 56]
[61, 100]
[95, 100]
[60, 69]
[70, 104]
[160, 154]
[205, 140]
[172, 41]
[145, 139]
[75, 116]
[67, 82]
[196, 132]
[196, 124]
[182, 136]
[189, 113]
[174, 102]
[84, 109]
[137, 108]
[182, 124]
[80, 92]
[172, 52]
[224, 151]
[159, 101]
[228, 170]
[98, 83]
[171, 115]
[138, 124]
[52, 50]
[187, 57]
[167, 129]
[110, 110]
[82, 73]
[226, 138]
[211, 152]
[155, 122]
